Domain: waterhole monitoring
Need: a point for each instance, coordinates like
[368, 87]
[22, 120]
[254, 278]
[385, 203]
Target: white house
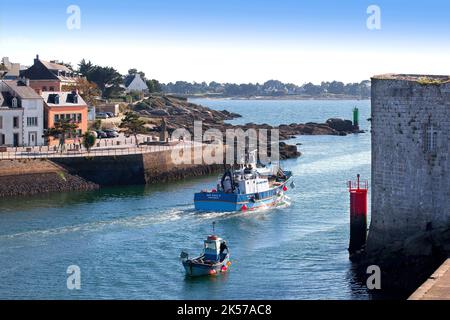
[21, 114]
[134, 82]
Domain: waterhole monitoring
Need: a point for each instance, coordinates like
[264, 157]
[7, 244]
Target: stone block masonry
[410, 214]
[410, 158]
[145, 168]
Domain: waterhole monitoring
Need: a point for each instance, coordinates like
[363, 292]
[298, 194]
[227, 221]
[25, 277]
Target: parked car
[101, 134]
[111, 133]
[101, 115]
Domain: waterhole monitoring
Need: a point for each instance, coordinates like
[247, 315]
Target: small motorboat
[215, 258]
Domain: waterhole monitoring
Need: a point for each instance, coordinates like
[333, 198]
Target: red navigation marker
[358, 214]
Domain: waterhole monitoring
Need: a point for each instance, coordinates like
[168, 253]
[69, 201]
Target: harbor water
[127, 240]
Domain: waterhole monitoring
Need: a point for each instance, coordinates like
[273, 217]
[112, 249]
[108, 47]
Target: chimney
[36, 59]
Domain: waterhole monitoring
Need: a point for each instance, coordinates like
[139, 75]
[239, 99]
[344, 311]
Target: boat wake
[284, 203]
[183, 211]
[139, 221]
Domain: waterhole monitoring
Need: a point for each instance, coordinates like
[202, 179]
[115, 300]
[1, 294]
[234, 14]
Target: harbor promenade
[105, 147]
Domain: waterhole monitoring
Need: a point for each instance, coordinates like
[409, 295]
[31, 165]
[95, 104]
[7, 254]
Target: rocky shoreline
[178, 112]
[37, 183]
[30, 177]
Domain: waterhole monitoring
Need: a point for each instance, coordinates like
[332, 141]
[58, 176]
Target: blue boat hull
[228, 202]
[194, 269]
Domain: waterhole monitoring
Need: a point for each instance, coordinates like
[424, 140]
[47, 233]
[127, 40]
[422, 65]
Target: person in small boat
[223, 247]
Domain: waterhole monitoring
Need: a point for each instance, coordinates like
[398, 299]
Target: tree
[87, 90]
[336, 87]
[61, 130]
[312, 89]
[153, 86]
[107, 79]
[134, 71]
[89, 140]
[84, 68]
[97, 125]
[104, 77]
[113, 91]
[132, 125]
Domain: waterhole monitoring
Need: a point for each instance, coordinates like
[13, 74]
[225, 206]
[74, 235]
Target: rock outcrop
[29, 177]
[288, 151]
[179, 113]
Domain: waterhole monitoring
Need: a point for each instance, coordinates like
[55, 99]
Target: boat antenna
[214, 225]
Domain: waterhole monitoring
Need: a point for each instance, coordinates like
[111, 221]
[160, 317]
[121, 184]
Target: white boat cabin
[253, 185]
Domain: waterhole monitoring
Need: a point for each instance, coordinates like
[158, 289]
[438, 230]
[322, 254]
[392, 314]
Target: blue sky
[235, 41]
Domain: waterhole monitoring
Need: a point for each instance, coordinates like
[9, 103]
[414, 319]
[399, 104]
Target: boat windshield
[210, 245]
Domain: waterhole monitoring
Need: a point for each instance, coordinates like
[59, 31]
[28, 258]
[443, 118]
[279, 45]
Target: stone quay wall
[410, 213]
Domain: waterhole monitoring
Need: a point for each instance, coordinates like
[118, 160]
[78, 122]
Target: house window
[32, 122]
[44, 88]
[2, 139]
[430, 138]
[56, 118]
[52, 88]
[14, 102]
[16, 122]
[1, 122]
[78, 117]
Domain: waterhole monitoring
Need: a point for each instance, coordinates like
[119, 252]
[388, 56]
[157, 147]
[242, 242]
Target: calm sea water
[127, 240]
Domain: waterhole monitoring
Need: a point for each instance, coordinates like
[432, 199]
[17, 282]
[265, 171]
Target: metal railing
[45, 152]
[358, 184]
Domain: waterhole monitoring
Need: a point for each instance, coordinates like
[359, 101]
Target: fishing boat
[214, 260]
[250, 187]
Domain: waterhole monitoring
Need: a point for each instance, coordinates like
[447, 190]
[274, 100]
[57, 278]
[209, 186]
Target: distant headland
[271, 90]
